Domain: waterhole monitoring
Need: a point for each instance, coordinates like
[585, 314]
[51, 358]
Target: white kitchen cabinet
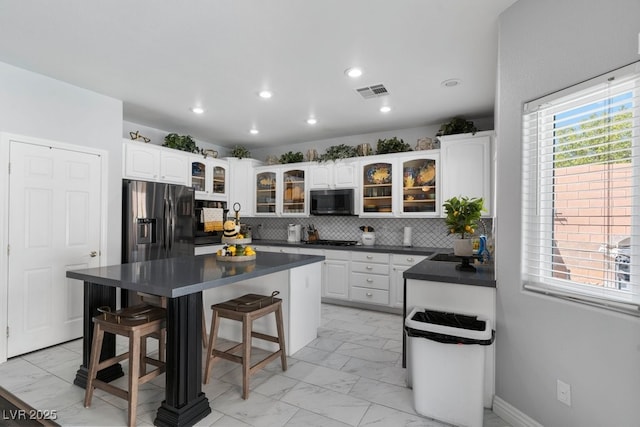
[154, 163]
[333, 174]
[467, 167]
[281, 191]
[241, 186]
[335, 274]
[370, 277]
[286, 250]
[207, 249]
[399, 264]
[209, 178]
[401, 185]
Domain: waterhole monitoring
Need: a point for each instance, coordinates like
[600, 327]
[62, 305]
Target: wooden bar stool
[246, 309]
[137, 323]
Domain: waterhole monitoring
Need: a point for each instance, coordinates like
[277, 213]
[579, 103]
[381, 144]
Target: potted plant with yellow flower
[463, 215]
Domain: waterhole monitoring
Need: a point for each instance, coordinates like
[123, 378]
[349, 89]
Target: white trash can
[446, 353]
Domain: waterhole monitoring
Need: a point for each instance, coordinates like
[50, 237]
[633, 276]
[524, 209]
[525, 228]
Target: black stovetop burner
[333, 242]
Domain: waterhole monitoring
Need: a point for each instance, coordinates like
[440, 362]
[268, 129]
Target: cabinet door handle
[369, 267]
[369, 294]
[369, 257]
[410, 259]
[93, 254]
[282, 250]
[369, 280]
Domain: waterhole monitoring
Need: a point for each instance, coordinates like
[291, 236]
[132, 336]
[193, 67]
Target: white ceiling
[162, 57]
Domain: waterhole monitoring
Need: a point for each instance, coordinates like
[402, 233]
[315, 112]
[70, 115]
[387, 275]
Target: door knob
[93, 254]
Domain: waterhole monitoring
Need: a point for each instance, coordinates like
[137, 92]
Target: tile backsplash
[426, 232]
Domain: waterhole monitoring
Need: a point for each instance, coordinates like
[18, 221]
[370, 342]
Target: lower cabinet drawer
[374, 281]
[369, 267]
[374, 296]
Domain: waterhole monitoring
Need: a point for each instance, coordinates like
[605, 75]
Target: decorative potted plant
[335, 152]
[457, 125]
[291, 157]
[463, 215]
[392, 145]
[240, 152]
[181, 142]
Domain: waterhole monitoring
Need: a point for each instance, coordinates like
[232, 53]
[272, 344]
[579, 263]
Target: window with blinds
[581, 191]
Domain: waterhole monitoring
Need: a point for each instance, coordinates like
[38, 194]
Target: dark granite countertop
[375, 248]
[437, 271]
[443, 271]
[175, 277]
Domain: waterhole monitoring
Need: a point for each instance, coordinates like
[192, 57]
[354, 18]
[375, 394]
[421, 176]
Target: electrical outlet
[564, 392]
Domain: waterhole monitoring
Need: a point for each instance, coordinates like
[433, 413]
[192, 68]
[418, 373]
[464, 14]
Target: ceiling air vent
[374, 91]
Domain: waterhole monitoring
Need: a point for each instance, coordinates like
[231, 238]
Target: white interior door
[54, 225]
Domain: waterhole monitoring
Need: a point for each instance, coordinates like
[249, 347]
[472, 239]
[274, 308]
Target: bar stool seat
[137, 323]
[246, 309]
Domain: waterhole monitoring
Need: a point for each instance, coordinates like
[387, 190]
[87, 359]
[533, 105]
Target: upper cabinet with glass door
[209, 178]
[377, 188]
[281, 191]
[401, 184]
[420, 186]
[293, 192]
[266, 193]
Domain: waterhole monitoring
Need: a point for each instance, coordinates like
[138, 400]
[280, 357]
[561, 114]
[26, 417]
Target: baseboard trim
[512, 415]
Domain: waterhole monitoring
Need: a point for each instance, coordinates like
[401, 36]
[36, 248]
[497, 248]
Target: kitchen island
[182, 280]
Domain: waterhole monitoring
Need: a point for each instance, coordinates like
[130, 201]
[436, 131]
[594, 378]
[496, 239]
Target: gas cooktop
[333, 242]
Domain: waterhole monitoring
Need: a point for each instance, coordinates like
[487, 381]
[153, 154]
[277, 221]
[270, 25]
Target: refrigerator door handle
[165, 214]
[172, 226]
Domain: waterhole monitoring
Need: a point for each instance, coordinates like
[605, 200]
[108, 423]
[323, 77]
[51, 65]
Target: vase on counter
[463, 247]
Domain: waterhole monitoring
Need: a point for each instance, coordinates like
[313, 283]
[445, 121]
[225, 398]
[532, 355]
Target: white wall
[546, 45]
[38, 106]
[157, 137]
[409, 135]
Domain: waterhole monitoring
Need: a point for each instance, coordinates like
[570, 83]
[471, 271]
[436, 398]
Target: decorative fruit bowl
[235, 240]
[239, 258]
[236, 253]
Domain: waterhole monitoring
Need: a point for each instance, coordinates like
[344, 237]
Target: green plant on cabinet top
[181, 142]
[240, 152]
[392, 145]
[291, 157]
[335, 152]
[457, 125]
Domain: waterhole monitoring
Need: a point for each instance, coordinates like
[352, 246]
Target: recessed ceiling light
[197, 110]
[311, 121]
[353, 72]
[385, 109]
[254, 131]
[265, 94]
[451, 82]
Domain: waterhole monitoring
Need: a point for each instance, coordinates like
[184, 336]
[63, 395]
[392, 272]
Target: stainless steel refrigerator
[158, 221]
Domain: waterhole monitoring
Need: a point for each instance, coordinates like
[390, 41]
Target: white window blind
[581, 191]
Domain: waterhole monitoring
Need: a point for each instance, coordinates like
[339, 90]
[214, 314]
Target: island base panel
[184, 403]
[189, 415]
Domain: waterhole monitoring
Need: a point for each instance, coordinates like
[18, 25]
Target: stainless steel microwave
[332, 202]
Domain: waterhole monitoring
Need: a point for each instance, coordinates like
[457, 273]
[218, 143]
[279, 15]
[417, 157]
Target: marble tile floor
[351, 375]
